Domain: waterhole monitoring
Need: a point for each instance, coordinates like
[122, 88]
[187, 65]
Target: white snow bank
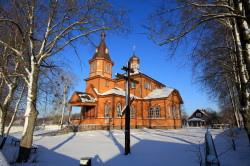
[211, 157]
[3, 161]
[148, 147]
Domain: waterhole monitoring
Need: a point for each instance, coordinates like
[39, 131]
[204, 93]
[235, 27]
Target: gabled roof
[82, 97]
[163, 93]
[101, 49]
[159, 93]
[116, 91]
[138, 72]
[203, 111]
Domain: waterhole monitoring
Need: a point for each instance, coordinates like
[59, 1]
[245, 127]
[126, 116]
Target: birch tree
[46, 28]
[185, 21]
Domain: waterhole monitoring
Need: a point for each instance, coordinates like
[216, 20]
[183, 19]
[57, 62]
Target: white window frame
[107, 68]
[93, 67]
[107, 110]
[132, 85]
[157, 112]
[118, 110]
[174, 115]
[178, 114]
[169, 112]
[151, 112]
[198, 114]
[147, 85]
[132, 112]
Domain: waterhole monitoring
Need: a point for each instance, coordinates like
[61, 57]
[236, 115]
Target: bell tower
[101, 64]
[134, 62]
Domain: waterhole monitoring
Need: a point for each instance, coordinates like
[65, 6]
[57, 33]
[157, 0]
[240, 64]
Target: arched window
[169, 112]
[107, 68]
[178, 113]
[173, 111]
[118, 110]
[150, 112]
[132, 112]
[157, 112]
[107, 110]
[93, 67]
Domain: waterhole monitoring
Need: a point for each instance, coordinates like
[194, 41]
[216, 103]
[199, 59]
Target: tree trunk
[243, 71]
[246, 5]
[5, 106]
[64, 103]
[12, 119]
[30, 116]
[231, 94]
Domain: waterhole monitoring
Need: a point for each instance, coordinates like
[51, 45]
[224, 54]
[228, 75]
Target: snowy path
[148, 147]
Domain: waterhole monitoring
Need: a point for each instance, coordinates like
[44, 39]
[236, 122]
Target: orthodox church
[154, 105]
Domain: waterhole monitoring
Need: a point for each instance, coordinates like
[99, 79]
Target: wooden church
[154, 106]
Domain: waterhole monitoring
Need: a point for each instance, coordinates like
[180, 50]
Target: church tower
[100, 74]
[134, 62]
[101, 63]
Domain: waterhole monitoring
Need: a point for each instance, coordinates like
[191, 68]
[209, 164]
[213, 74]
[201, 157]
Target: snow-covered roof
[116, 90]
[196, 119]
[159, 93]
[85, 97]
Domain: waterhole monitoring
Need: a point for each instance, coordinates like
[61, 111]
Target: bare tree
[46, 28]
[66, 82]
[13, 117]
[194, 22]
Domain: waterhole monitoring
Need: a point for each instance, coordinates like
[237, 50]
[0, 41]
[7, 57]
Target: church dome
[134, 58]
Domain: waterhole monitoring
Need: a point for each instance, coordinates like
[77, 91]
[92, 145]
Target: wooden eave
[99, 76]
[91, 60]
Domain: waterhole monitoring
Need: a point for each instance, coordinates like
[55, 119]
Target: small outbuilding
[198, 118]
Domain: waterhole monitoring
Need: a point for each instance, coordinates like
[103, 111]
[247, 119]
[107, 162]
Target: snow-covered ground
[148, 147]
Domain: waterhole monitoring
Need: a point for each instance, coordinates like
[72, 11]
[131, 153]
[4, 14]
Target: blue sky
[153, 59]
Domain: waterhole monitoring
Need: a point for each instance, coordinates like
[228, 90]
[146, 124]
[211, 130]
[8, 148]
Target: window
[133, 65]
[93, 67]
[169, 112]
[107, 83]
[107, 68]
[132, 112]
[107, 110]
[198, 115]
[150, 112]
[118, 110]
[154, 112]
[157, 112]
[132, 85]
[96, 50]
[147, 85]
[106, 50]
[178, 114]
[173, 112]
[157, 87]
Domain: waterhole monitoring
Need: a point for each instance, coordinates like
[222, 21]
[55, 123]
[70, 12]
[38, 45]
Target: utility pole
[126, 109]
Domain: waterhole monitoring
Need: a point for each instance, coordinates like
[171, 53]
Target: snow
[117, 91]
[148, 147]
[159, 93]
[196, 119]
[3, 161]
[212, 155]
